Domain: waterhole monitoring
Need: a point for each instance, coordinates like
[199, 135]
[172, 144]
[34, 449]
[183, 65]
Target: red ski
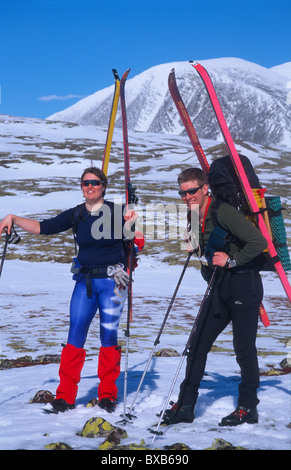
[187, 121]
[129, 190]
[242, 176]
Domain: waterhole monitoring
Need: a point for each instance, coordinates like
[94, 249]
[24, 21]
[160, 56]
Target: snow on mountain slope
[283, 69]
[253, 99]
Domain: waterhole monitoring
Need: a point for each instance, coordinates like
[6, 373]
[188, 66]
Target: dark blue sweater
[99, 235]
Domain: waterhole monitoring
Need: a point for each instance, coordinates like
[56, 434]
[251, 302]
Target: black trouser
[240, 295]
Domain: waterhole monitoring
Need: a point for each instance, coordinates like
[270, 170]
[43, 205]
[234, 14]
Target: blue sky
[53, 52]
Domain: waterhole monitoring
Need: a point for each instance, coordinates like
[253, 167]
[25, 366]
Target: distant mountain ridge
[253, 99]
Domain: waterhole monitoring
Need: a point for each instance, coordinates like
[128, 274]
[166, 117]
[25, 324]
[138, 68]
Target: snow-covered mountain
[253, 98]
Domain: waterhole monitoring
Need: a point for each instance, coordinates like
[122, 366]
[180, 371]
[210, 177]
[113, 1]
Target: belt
[88, 274]
[94, 271]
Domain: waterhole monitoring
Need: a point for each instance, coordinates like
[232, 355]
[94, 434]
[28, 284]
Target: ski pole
[14, 238]
[4, 251]
[127, 332]
[160, 331]
[130, 199]
[193, 331]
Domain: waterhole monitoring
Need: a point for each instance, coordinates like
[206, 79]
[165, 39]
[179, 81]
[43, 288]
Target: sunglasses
[191, 191]
[92, 182]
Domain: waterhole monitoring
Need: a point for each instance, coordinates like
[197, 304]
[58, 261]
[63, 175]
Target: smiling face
[198, 198]
[92, 192]
[193, 186]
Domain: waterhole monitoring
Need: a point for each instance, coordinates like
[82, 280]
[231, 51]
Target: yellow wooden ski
[110, 130]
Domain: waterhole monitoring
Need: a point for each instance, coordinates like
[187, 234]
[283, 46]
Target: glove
[120, 276]
[191, 241]
[139, 240]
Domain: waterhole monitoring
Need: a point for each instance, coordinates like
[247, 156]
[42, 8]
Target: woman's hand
[130, 215]
[130, 218]
[6, 224]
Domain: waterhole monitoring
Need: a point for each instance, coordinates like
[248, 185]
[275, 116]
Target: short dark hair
[97, 172]
[191, 174]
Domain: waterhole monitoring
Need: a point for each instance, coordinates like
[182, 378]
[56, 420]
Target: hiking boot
[107, 404]
[239, 416]
[59, 405]
[179, 414]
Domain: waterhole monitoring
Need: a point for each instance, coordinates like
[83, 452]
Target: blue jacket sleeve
[60, 223]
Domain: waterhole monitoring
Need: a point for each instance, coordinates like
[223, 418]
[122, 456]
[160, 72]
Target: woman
[101, 279]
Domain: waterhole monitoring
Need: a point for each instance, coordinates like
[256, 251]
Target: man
[236, 298]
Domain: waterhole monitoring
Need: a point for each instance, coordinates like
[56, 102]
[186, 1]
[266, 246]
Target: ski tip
[115, 73]
[125, 75]
[172, 79]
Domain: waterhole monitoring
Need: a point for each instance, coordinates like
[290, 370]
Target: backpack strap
[219, 238]
[77, 216]
[214, 210]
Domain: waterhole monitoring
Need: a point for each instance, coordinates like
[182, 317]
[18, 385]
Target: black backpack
[225, 187]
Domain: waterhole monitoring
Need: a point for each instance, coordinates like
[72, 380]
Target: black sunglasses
[191, 191]
[92, 182]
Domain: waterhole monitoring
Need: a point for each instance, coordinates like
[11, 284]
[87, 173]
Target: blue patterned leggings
[110, 302]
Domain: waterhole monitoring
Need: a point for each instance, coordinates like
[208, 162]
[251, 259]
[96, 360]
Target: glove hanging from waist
[120, 276]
